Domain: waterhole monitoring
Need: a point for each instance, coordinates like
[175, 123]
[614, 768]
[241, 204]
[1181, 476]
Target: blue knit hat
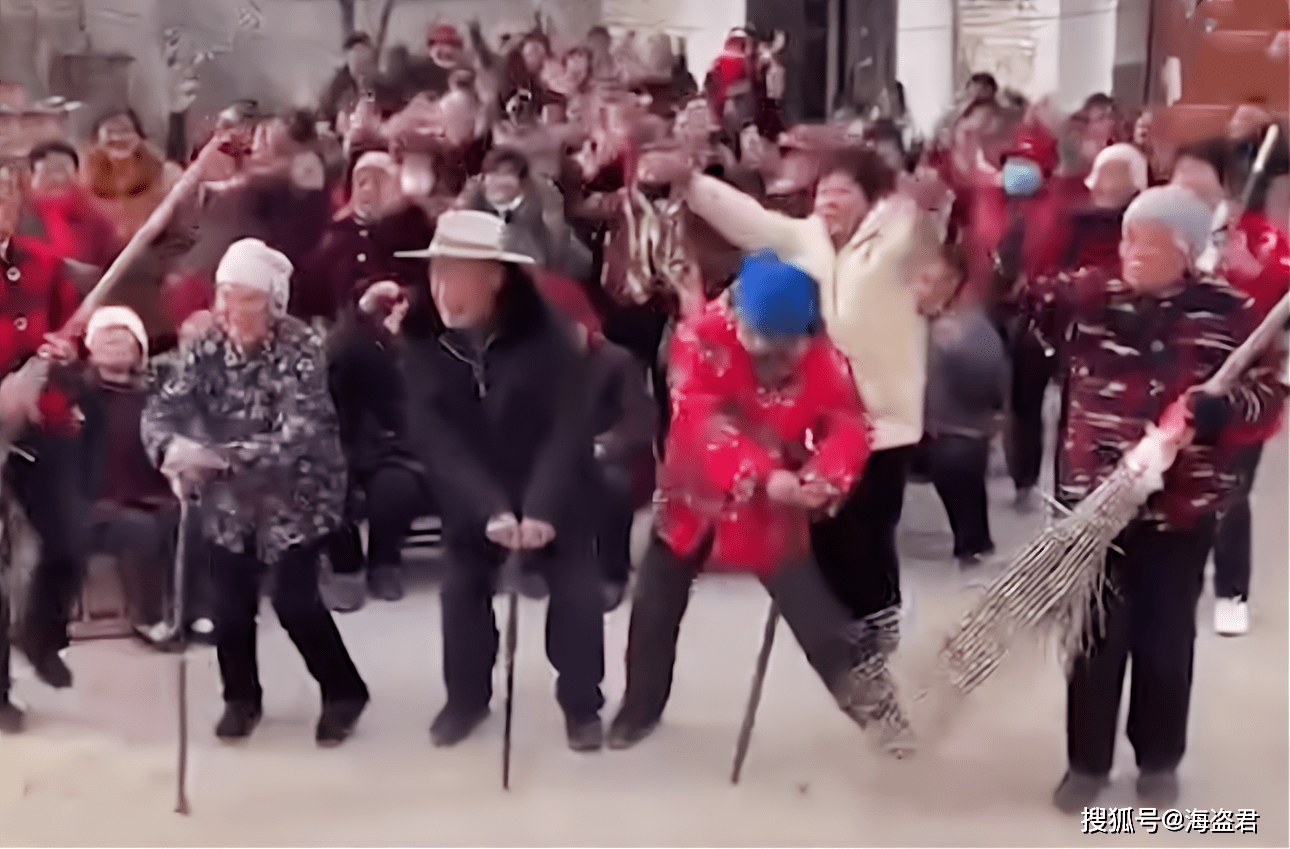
[775, 298]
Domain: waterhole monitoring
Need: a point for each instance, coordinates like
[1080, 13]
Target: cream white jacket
[869, 306]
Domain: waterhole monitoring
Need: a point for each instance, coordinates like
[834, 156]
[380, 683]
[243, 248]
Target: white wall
[703, 23]
[925, 58]
[1087, 46]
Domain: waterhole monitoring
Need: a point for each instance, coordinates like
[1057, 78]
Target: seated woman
[134, 516]
[367, 388]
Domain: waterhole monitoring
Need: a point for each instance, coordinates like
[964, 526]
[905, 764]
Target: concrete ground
[97, 767]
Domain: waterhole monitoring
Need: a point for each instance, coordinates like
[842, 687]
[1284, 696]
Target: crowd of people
[532, 294]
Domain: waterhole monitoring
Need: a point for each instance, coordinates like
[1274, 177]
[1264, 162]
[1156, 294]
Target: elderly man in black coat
[499, 414]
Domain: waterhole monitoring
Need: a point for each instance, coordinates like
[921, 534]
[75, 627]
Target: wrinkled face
[1200, 178]
[465, 290]
[774, 358]
[457, 112]
[1276, 204]
[118, 137]
[361, 61]
[502, 185]
[842, 204]
[243, 313]
[578, 66]
[1151, 256]
[533, 54]
[445, 54]
[695, 121]
[1142, 130]
[53, 174]
[1112, 185]
[115, 349]
[10, 201]
[374, 190]
[307, 171]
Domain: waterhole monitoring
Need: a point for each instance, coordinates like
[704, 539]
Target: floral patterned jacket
[270, 414]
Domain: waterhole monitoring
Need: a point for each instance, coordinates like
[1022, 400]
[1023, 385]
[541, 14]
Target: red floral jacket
[728, 432]
[1126, 357]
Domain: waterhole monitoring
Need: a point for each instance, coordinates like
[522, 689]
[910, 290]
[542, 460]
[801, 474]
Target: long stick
[1260, 164]
[754, 697]
[510, 581]
[1247, 352]
[181, 625]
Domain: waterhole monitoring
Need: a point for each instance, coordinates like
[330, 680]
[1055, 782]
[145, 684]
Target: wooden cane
[510, 581]
[754, 697]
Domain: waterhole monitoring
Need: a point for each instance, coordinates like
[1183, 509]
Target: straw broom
[1055, 583]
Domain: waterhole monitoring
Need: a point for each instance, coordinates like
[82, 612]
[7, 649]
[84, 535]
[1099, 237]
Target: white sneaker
[1231, 617]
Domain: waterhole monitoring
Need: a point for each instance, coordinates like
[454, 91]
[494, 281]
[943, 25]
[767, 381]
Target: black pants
[300, 610]
[393, 496]
[848, 656]
[575, 637]
[1150, 616]
[143, 542]
[1032, 371]
[52, 491]
[958, 467]
[856, 549]
[1232, 540]
[614, 533]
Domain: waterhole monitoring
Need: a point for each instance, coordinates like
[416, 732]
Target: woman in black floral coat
[247, 421]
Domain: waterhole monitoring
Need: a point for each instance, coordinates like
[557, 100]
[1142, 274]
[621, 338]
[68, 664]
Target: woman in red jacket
[767, 430]
[1257, 263]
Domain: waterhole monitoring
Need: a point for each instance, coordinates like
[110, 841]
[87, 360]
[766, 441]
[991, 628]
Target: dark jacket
[351, 251]
[967, 376]
[505, 429]
[120, 473]
[1094, 239]
[625, 420]
[366, 384]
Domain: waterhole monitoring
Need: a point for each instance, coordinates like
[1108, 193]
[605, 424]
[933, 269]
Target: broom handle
[1243, 357]
[157, 222]
[1260, 164]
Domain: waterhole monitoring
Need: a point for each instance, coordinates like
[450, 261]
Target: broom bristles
[1055, 585]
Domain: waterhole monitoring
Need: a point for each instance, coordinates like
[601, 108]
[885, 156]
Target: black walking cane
[754, 697]
[181, 632]
[510, 582]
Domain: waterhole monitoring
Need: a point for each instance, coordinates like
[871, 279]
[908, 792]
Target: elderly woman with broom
[1137, 349]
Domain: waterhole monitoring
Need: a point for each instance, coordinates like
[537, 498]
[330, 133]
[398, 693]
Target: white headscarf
[117, 316]
[252, 263]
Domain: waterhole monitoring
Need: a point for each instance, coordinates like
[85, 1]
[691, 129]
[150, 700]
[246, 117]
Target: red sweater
[75, 229]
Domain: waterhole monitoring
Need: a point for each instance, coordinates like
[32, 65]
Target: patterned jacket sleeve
[306, 417]
[843, 445]
[1052, 302]
[172, 407]
[702, 437]
[1259, 394]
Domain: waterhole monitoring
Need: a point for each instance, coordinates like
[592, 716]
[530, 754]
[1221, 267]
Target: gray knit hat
[1180, 210]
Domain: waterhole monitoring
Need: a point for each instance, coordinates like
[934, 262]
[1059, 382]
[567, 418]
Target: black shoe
[585, 735]
[238, 721]
[51, 669]
[12, 719]
[1077, 791]
[1158, 789]
[338, 720]
[385, 583]
[454, 724]
[624, 733]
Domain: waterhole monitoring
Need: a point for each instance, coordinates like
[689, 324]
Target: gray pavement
[97, 766]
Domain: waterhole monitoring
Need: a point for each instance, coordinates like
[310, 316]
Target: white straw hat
[467, 234]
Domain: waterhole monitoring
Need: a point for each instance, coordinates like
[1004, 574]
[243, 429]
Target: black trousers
[848, 656]
[614, 532]
[856, 548]
[575, 637]
[52, 490]
[958, 466]
[1232, 540]
[1032, 371]
[1150, 616]
[393, 497]
[300, 610]
[143, 542]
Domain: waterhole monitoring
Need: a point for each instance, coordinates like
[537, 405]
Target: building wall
[703, 23]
